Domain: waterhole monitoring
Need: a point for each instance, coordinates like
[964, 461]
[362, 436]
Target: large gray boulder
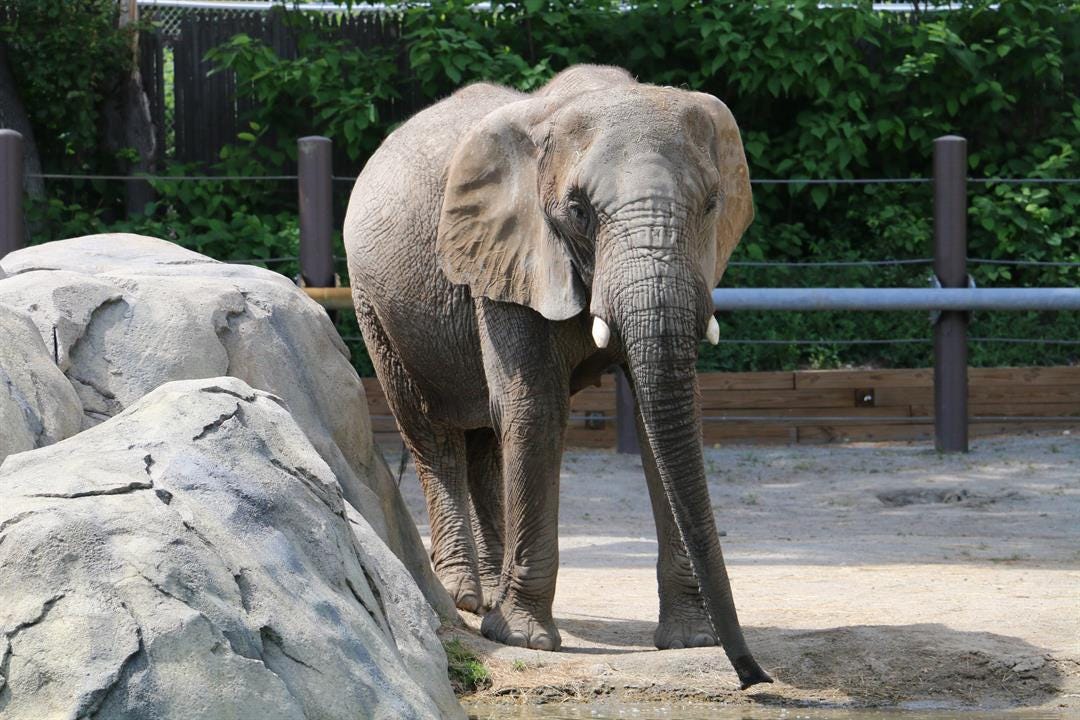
[126, 313]
[37, 404]
[193, 557]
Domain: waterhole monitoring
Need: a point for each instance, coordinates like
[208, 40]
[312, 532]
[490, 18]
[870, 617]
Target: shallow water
[667, 711]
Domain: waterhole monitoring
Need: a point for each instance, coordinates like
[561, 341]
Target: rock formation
[194, 557]
[194, 520]
[126, 313]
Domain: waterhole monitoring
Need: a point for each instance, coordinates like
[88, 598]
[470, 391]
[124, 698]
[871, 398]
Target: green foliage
[467, 673]
[66, 57]
[332, 86]
[819, 92]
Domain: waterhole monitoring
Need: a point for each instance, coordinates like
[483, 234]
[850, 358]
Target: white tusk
[713, 333]
[601, 333]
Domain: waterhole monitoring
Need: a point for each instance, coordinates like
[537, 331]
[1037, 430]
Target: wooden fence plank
[746, 381]
[902, 396]
[1013, 394]
[868, 412]
[1063, 394]
[828, 398]
[807, 379]
[1024, 376]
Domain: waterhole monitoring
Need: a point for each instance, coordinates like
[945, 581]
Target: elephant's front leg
[529, 395]
[683, 619]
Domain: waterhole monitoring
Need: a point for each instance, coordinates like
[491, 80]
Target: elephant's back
[398, 196]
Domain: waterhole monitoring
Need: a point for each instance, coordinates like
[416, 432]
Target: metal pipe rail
[940, 299]
[869, 299]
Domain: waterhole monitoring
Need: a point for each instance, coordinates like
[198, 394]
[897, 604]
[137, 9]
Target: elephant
[505, 249]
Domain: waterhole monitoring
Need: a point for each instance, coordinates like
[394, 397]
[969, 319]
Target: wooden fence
[807, 406]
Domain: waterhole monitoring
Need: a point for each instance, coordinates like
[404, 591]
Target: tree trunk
[129, 125]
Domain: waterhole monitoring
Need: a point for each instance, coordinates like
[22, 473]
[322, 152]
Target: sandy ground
[865, 575]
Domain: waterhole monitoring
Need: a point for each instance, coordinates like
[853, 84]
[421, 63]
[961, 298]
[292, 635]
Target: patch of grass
[519, 666]
[467, 673]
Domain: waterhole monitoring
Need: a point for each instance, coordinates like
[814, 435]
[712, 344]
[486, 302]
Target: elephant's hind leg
[442, 468]
[684, 621]
[486, 492]
[439, 454]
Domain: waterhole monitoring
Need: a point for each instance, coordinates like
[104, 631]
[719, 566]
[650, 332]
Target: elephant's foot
[684, 623]
[513, 626]
[492, 592]
[464, 587]
[491, 580]
[675, 635]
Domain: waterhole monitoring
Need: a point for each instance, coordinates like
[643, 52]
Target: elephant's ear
[735, 209]
[493, 235]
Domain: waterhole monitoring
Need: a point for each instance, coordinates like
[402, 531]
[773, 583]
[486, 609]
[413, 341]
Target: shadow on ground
[858, 665]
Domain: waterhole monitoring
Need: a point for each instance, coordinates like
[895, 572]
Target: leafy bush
[819, 92]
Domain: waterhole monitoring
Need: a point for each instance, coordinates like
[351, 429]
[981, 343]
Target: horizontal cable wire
[884, 341]
[844, 419]
[162, 178]
[753, 181]
[823, 263]
[829, 263]
[879, 420]
[1027, 181]
[840, 181]
[1033, 263]
[1024, 341]
[811, 264]
[365, 7]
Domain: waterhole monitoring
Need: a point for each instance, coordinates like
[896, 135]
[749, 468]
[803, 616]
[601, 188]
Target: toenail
[516, 639]
[542, 642]
[702, 640]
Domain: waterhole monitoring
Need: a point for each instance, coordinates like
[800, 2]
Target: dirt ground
[865, 575]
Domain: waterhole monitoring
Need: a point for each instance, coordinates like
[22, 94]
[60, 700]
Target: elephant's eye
[711, 202]
[579, 215]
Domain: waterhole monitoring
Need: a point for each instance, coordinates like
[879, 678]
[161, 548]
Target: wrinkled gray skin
[483, 237]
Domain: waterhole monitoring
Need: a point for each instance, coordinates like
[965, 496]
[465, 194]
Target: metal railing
[951, 300]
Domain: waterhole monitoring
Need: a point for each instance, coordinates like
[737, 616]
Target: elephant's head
[625, 201]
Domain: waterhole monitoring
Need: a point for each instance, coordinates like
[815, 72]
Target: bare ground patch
[865, 575]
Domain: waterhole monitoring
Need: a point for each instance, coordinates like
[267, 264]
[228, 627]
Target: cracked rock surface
[121, 314]
[193, 557]
[37, 405]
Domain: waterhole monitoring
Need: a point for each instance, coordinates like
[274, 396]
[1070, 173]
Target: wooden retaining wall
[805, 406]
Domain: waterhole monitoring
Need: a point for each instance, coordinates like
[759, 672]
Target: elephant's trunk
[660, 321]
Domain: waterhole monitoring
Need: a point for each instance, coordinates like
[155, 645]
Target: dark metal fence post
[314, 170]
[626, 440]
[950, 267]
[11, 192]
